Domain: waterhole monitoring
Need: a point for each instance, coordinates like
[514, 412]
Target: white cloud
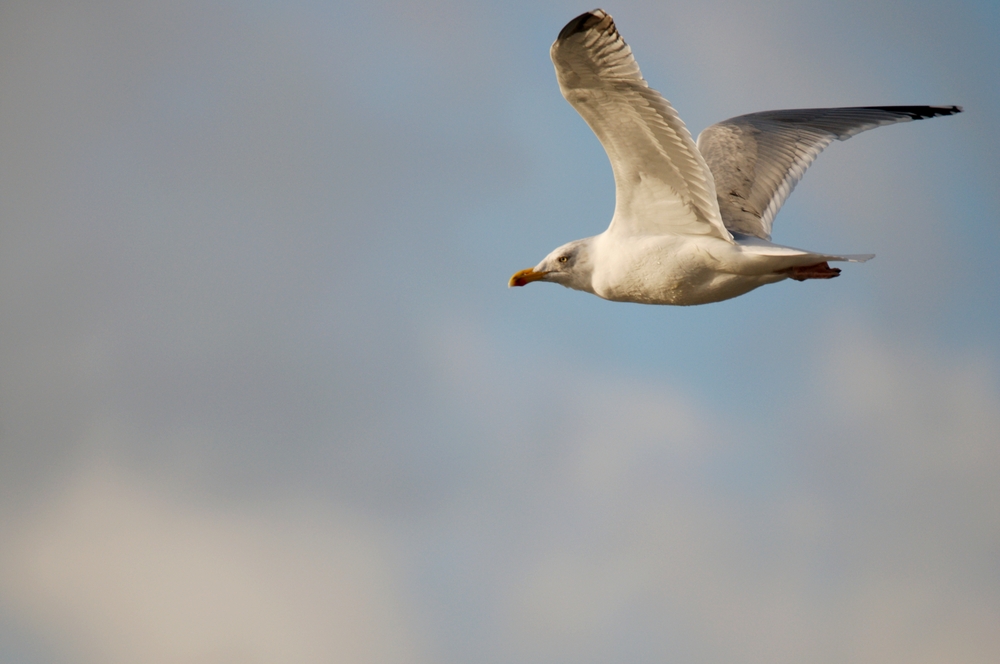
[115, 570]
[872, 546]
[915, 412]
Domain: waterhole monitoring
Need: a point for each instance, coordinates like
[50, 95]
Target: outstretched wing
[662, 183]
[757, 159]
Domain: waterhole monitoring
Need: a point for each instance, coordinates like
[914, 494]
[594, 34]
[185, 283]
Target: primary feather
[757, 159]
[662, 183]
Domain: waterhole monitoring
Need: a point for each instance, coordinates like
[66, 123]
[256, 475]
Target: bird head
[569, 265]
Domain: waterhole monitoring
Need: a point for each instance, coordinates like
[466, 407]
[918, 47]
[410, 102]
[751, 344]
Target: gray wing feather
[662, 182]
[757, 159]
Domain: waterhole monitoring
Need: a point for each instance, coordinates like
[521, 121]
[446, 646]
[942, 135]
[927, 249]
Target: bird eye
[563, 259]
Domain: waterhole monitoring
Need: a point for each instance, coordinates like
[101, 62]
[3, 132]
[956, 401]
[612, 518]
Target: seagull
[692, 221]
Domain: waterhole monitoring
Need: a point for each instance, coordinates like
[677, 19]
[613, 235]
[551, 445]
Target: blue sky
[265, 396]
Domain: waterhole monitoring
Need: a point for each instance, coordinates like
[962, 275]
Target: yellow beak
[525, 277]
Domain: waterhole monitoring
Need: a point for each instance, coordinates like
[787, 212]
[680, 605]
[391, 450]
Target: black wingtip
[921, 112]
[582, 23]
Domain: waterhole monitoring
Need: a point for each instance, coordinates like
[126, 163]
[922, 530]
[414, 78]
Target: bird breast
[668, 269]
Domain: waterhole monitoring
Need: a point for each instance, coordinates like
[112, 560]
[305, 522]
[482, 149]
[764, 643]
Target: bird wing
[662, 183]
[757, 159]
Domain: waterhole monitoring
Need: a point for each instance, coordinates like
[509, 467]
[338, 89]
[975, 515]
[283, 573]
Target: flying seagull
[692, 222]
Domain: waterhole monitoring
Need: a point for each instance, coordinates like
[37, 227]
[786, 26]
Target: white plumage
[692, 222]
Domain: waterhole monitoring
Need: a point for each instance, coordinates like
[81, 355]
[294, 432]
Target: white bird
[692, 223]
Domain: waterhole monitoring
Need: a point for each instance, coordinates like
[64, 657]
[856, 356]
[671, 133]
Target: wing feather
[662, 182]
[757, 159]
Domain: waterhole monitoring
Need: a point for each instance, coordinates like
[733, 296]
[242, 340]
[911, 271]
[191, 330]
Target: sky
[266, 397]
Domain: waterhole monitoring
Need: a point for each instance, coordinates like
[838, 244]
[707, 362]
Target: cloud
[857, 528]
[114, 570]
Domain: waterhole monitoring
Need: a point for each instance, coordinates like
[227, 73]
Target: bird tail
[851, 258]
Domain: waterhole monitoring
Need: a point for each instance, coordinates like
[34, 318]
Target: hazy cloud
[113, 570]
